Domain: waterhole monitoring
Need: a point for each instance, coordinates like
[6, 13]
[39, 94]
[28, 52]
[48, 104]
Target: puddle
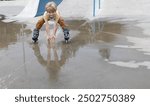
[85, 62]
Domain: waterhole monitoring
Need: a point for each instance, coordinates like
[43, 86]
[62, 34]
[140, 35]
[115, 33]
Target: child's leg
[61, 22]
[64, 27]
[39, 24]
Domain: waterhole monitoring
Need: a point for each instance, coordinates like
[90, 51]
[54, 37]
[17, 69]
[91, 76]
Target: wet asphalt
[91, 59]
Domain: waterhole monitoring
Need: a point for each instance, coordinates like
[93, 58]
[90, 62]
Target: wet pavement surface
[100, 54]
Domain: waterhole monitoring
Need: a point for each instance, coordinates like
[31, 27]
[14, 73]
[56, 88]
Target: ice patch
[123, 46]
[145, 25]
[131, 64]
[141, 44]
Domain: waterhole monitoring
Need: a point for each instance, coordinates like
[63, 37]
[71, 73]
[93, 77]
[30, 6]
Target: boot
[66, 34]
[35, 35]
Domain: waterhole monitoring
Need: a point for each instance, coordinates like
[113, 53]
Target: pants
[41, 21]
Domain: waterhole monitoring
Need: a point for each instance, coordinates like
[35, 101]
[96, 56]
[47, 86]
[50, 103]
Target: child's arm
[55, 30]
[47, 27]
[56, 23]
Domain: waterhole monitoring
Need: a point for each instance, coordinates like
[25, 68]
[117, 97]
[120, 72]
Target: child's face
[51, 13]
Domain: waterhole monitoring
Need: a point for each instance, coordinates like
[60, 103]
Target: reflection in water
[95, 31]
[10, 32]
[105, 53]
[103, 31]
[89, 33]
[53, 63]
[52, 66]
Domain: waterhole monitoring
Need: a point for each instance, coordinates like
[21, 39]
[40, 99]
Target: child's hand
[48, 37]
[53, 37]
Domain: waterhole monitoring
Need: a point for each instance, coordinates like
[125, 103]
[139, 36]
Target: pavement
[105, 53]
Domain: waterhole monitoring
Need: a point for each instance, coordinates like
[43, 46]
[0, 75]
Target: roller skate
[35, 35]
[66, 35]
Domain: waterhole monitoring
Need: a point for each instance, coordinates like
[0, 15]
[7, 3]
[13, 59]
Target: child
[51, 13]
